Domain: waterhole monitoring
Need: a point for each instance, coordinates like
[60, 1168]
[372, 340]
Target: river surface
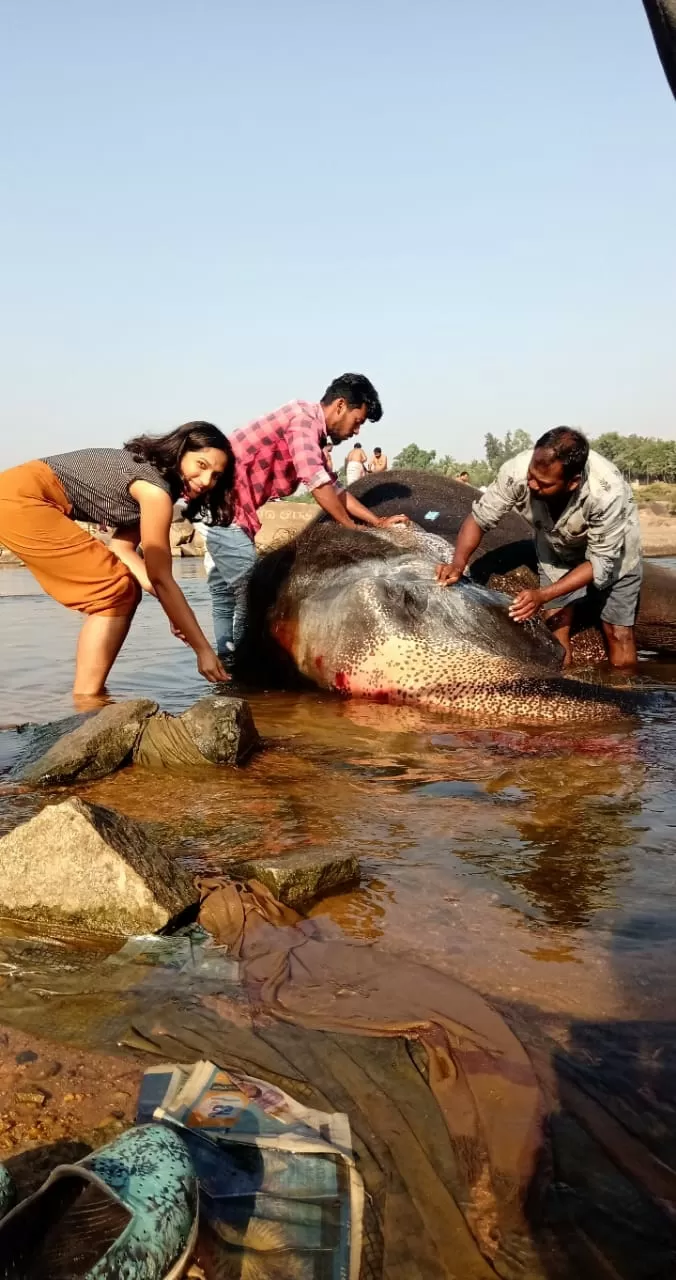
[537, 860]
[537, 865]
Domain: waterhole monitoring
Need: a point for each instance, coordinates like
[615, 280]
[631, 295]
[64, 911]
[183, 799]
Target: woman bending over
[132, 490]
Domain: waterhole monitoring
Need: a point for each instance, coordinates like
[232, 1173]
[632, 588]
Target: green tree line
[642, 458]
[480, 470]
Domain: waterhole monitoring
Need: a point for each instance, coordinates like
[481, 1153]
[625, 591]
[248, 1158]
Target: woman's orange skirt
[72, 566]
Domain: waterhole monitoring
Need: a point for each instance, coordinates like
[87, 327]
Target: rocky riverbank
[279, 522]
[99, 877]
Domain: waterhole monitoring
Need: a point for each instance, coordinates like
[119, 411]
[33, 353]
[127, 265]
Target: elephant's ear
[662, 19]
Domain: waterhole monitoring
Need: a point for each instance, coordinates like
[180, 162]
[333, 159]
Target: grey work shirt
[599, 524]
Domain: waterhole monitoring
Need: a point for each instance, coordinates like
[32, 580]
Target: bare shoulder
[154, 502]
[146, 491]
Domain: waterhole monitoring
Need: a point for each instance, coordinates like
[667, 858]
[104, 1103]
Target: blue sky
[209, 208]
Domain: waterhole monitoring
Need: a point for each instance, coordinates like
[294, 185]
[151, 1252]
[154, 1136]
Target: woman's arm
[156, 515]
[123, 544]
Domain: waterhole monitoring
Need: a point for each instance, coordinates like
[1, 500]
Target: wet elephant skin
[506, 557]
[360, 612]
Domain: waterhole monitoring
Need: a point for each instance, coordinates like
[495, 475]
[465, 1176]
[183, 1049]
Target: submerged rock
[92, 869]
[216, 730]
[298, 879]
[81, 748]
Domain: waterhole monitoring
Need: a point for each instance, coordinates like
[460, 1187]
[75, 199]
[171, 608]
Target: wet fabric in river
[464, 1178]
[440, 1093]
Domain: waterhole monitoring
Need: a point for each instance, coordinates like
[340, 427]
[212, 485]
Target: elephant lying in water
[361, 613]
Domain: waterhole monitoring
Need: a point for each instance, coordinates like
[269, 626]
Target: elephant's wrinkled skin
[506, 558]
[361, 613]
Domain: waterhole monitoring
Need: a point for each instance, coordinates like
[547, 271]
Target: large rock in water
[91, 869]
[81, 748]
[217, 730]
[298, 879]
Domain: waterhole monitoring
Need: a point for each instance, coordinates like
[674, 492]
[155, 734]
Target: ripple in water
[508, 856]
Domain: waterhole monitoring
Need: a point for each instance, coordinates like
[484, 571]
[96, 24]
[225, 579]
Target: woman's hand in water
[210, 666]
[526, 605]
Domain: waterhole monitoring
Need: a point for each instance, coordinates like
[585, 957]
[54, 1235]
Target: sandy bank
[58, 1102]
[658, 532]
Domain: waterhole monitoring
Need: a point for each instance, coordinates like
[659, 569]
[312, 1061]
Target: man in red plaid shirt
[273, 456]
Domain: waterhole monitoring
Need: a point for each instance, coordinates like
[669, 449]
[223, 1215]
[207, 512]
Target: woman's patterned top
[97, 483]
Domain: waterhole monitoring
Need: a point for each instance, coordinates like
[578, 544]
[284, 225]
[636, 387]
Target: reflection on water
[508, 857]
[537, 865]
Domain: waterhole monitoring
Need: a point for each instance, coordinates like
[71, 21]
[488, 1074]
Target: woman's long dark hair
[165, 453]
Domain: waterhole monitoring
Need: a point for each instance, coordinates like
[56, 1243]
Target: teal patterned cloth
[148, 1172]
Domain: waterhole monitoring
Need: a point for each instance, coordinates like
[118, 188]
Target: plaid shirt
[273, 455]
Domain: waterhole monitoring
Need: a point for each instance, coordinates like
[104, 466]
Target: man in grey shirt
[586, 535]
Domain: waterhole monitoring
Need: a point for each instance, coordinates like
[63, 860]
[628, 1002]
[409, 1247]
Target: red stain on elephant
[319, 662]
[341, 682]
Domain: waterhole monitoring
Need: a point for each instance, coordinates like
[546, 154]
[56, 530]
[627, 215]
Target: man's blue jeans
[232, 557]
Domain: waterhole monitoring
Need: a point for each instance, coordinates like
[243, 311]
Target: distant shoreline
[658, 533]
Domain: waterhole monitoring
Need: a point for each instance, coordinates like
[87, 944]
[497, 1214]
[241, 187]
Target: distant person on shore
[132, 490]
[463, 477]
[587, 535]
[355, 464]
[378, 460]
[273, 455]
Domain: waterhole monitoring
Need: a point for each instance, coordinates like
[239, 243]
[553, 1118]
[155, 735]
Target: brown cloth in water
[606, 1193]
[166, 744]
[479, 1073]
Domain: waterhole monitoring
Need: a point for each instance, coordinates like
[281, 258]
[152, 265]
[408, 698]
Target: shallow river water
[537, 865]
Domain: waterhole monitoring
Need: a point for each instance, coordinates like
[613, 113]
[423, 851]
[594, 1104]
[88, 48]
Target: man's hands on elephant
[526, 604]
[386, 522]
[448, 574]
